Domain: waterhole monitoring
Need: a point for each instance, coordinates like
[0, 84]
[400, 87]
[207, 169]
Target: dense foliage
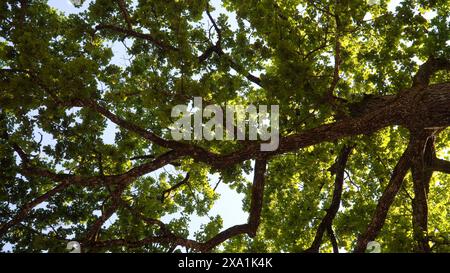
[364, 108]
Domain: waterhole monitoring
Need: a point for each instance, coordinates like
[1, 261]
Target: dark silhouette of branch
[326, 223]
[126, 15]
[168, 238]
[217, 48]
[216, 28]
[167, 192]
[386, 200]
[142, 157]
[333, 239]
[441, 165]
[67, 180]
[93, 231]
[149, 221]
[427, 69]
[25, 210]
[132, 33]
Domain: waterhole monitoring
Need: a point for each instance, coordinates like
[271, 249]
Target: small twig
[166, 192]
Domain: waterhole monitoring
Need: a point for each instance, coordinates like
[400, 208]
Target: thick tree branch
[386, 200]
[333, 239]
[422, 159]
[441, 165]
[326, 222]
[427, 69]
[93, 232]
[420, 209]
[257, 196]
[431, 109]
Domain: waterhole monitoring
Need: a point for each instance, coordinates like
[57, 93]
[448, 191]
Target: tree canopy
[364, 98]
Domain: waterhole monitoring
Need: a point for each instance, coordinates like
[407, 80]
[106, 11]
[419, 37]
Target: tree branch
[427, 69]
[332, 239]
[257, 196]
[217, 48]
[168, 238]
[135, 34]
[24, 211]
[326, 222]
[67, 180]
[422, 158]
[441, 165]
[146, 134]
[386, 200]
[126, 15]
[337, 60]
[93, 232]
[384, 111]
[166, 192]
[217, 29]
